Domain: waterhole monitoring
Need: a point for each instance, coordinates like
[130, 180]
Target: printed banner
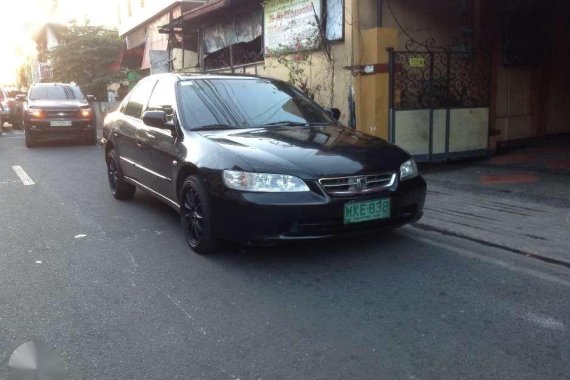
[291, 25]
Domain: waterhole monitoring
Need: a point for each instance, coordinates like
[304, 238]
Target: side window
[138, 98]
[163, 97]
[123, 105]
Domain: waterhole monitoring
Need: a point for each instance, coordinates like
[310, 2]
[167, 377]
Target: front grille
[357, 184]
[61, 114]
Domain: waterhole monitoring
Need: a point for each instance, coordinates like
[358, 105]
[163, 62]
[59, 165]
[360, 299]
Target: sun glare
[20, 23]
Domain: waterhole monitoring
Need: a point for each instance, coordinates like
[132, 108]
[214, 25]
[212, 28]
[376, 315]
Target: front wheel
[17, 122]
[91, 138]
[119, 188]
[30, 140]
[196, 217]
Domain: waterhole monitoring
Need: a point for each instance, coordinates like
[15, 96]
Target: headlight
[86, 113]
[36, 113]
[263, 182]
[408, 170]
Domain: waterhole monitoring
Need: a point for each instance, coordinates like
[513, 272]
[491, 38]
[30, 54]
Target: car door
[160, 144]
[129, 128]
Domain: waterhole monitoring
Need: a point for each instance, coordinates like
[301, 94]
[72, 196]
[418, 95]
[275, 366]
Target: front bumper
[266, 217]
[42, 129]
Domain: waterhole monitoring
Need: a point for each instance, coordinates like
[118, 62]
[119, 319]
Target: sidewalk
[519, 201]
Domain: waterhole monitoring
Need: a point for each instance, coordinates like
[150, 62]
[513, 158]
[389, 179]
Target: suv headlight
[263, 182]
[408, 170]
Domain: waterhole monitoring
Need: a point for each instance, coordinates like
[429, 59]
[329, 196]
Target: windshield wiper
[215, 127]
[287, 123]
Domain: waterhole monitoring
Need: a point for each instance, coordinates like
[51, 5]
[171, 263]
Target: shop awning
[206, 12]
[205, 9]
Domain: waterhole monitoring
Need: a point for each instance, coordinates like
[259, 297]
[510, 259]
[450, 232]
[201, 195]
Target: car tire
[119, 188]
[30, 140]
[17, 122]
[91, 138]
[196, 216]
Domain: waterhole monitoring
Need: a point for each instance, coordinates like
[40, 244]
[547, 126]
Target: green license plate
[356, 212]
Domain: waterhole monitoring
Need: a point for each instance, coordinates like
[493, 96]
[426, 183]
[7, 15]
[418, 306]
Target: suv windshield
[246, 102]
[56, 92]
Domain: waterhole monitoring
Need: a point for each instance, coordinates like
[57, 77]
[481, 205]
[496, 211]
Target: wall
[531, 101]
[557, 109]
[440, 20]
[364, 43]
[320, 71]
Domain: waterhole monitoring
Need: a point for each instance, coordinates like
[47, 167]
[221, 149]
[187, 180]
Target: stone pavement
[519, 201]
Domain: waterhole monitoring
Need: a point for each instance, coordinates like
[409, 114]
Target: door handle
[140, 143]
[115, 133]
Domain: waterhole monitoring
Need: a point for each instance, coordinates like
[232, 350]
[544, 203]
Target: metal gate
[439, 103]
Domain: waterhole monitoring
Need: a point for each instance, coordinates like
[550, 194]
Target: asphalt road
[113, 288]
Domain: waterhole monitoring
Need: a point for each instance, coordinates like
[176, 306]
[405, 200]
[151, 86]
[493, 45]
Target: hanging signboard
[291, 25]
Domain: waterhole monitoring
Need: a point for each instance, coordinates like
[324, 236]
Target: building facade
[452, 79]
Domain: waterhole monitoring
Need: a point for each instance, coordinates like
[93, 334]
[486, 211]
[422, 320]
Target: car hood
[56, 104]
[311, 152]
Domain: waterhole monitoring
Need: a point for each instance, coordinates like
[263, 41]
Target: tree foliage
[87, 55]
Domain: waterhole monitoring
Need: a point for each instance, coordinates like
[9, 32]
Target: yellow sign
[417, 62]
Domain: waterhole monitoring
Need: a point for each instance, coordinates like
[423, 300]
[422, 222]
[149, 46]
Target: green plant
[87, 55]
[315, 77]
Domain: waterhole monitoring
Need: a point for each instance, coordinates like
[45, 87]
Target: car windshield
[245, 103]
[56, 92]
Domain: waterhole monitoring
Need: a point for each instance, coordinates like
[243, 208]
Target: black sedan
[254, 160]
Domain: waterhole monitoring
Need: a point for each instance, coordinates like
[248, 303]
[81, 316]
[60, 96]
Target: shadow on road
[286, 253]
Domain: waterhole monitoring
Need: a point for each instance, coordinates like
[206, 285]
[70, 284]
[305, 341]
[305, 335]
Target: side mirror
[334, 112]
[21, 97]
[157, 119]
[91, 98]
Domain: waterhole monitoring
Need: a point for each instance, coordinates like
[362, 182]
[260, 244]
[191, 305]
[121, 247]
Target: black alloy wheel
[119, 188]
[195, 216]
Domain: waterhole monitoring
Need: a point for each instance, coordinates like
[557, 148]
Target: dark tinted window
[163, 97]
[56, 92]
[245, 103]
[139, 97]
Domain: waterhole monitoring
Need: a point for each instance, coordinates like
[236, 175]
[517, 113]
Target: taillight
[86, 113]
[37, 114]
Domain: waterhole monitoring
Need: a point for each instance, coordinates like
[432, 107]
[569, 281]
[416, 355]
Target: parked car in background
[253, 159]
[12, 106]
[58, 111]
[4, 110]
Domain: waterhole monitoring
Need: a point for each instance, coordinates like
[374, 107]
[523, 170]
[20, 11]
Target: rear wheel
[119, 188]
[30, 140]
[196, 217]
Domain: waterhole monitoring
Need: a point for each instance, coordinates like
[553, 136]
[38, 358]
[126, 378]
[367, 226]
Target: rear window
[57, 92]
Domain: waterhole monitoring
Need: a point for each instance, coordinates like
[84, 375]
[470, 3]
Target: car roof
[54, 84]
[188, 76]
